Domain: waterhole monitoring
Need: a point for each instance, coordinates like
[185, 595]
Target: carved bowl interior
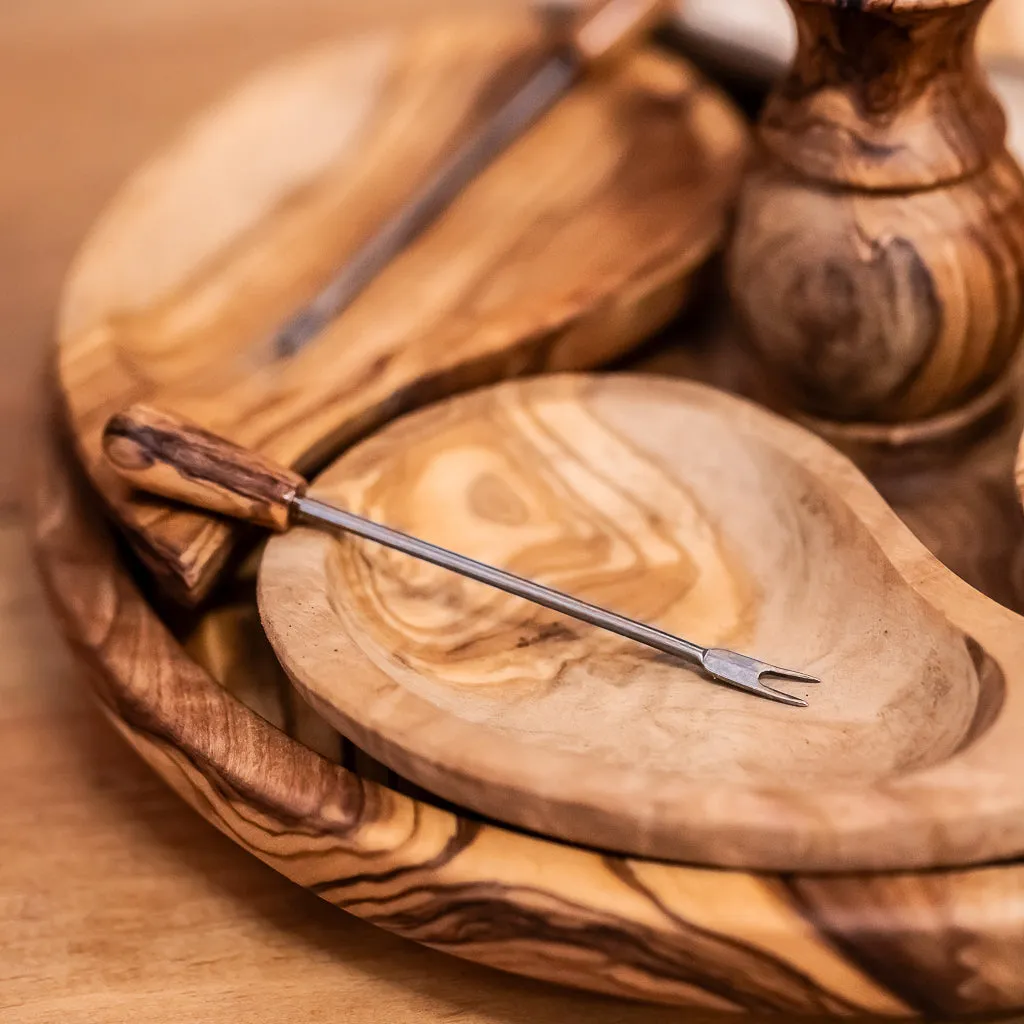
[223, 237]
[700, 514]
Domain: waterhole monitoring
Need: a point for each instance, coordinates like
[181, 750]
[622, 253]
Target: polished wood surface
[951, 480]
[629, 178]
[879, 253]
[233, 648]
[756, 39]
[885, 96]
[104, 847]
[525, 717]
[928, 320]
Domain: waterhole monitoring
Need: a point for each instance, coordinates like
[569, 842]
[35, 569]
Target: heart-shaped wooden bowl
[707, 517]
[578, 242]
[941, 943]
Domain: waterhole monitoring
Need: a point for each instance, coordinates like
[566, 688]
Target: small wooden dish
[577, 243]
[705, 516]
[940, 943]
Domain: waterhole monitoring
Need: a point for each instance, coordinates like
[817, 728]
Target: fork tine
[769, 692]
[788, 673]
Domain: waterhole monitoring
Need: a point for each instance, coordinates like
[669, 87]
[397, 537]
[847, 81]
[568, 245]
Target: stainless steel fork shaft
[310, 508]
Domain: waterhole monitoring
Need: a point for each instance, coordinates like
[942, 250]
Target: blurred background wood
[901, 296]
[1002, 31]
[87, 90]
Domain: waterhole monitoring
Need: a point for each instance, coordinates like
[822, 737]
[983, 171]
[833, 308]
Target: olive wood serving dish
[940, 942]
[714, 520]
[595, 222]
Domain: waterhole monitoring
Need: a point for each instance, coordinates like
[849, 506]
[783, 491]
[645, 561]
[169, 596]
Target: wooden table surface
[117, 902]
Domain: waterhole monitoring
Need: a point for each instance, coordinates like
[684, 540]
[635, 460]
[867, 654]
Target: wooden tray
[942, 943]
[939, 942]
[595, 222]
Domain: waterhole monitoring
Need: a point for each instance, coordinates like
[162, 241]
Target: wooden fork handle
[169, 456]
[608, 27]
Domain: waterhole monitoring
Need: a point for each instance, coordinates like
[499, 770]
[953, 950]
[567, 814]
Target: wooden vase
[878, 258]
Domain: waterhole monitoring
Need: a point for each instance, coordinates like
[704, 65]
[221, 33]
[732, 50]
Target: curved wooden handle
[169, 456]
[605, 29]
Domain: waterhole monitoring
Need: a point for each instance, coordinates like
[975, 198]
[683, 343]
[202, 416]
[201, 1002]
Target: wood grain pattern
[594, 225]
[736, 530]
[128, 906]
[756, 39]
[120, 902]
[879, 254]
[938, 973]
[166, 455]
[690, 936]
[885, 96]
[751, 44]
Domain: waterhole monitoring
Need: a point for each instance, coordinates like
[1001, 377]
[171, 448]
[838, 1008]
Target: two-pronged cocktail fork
[168, 456]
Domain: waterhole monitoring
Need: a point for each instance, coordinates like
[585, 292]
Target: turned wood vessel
[878, 259]
[595, 221]
[756, 39]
